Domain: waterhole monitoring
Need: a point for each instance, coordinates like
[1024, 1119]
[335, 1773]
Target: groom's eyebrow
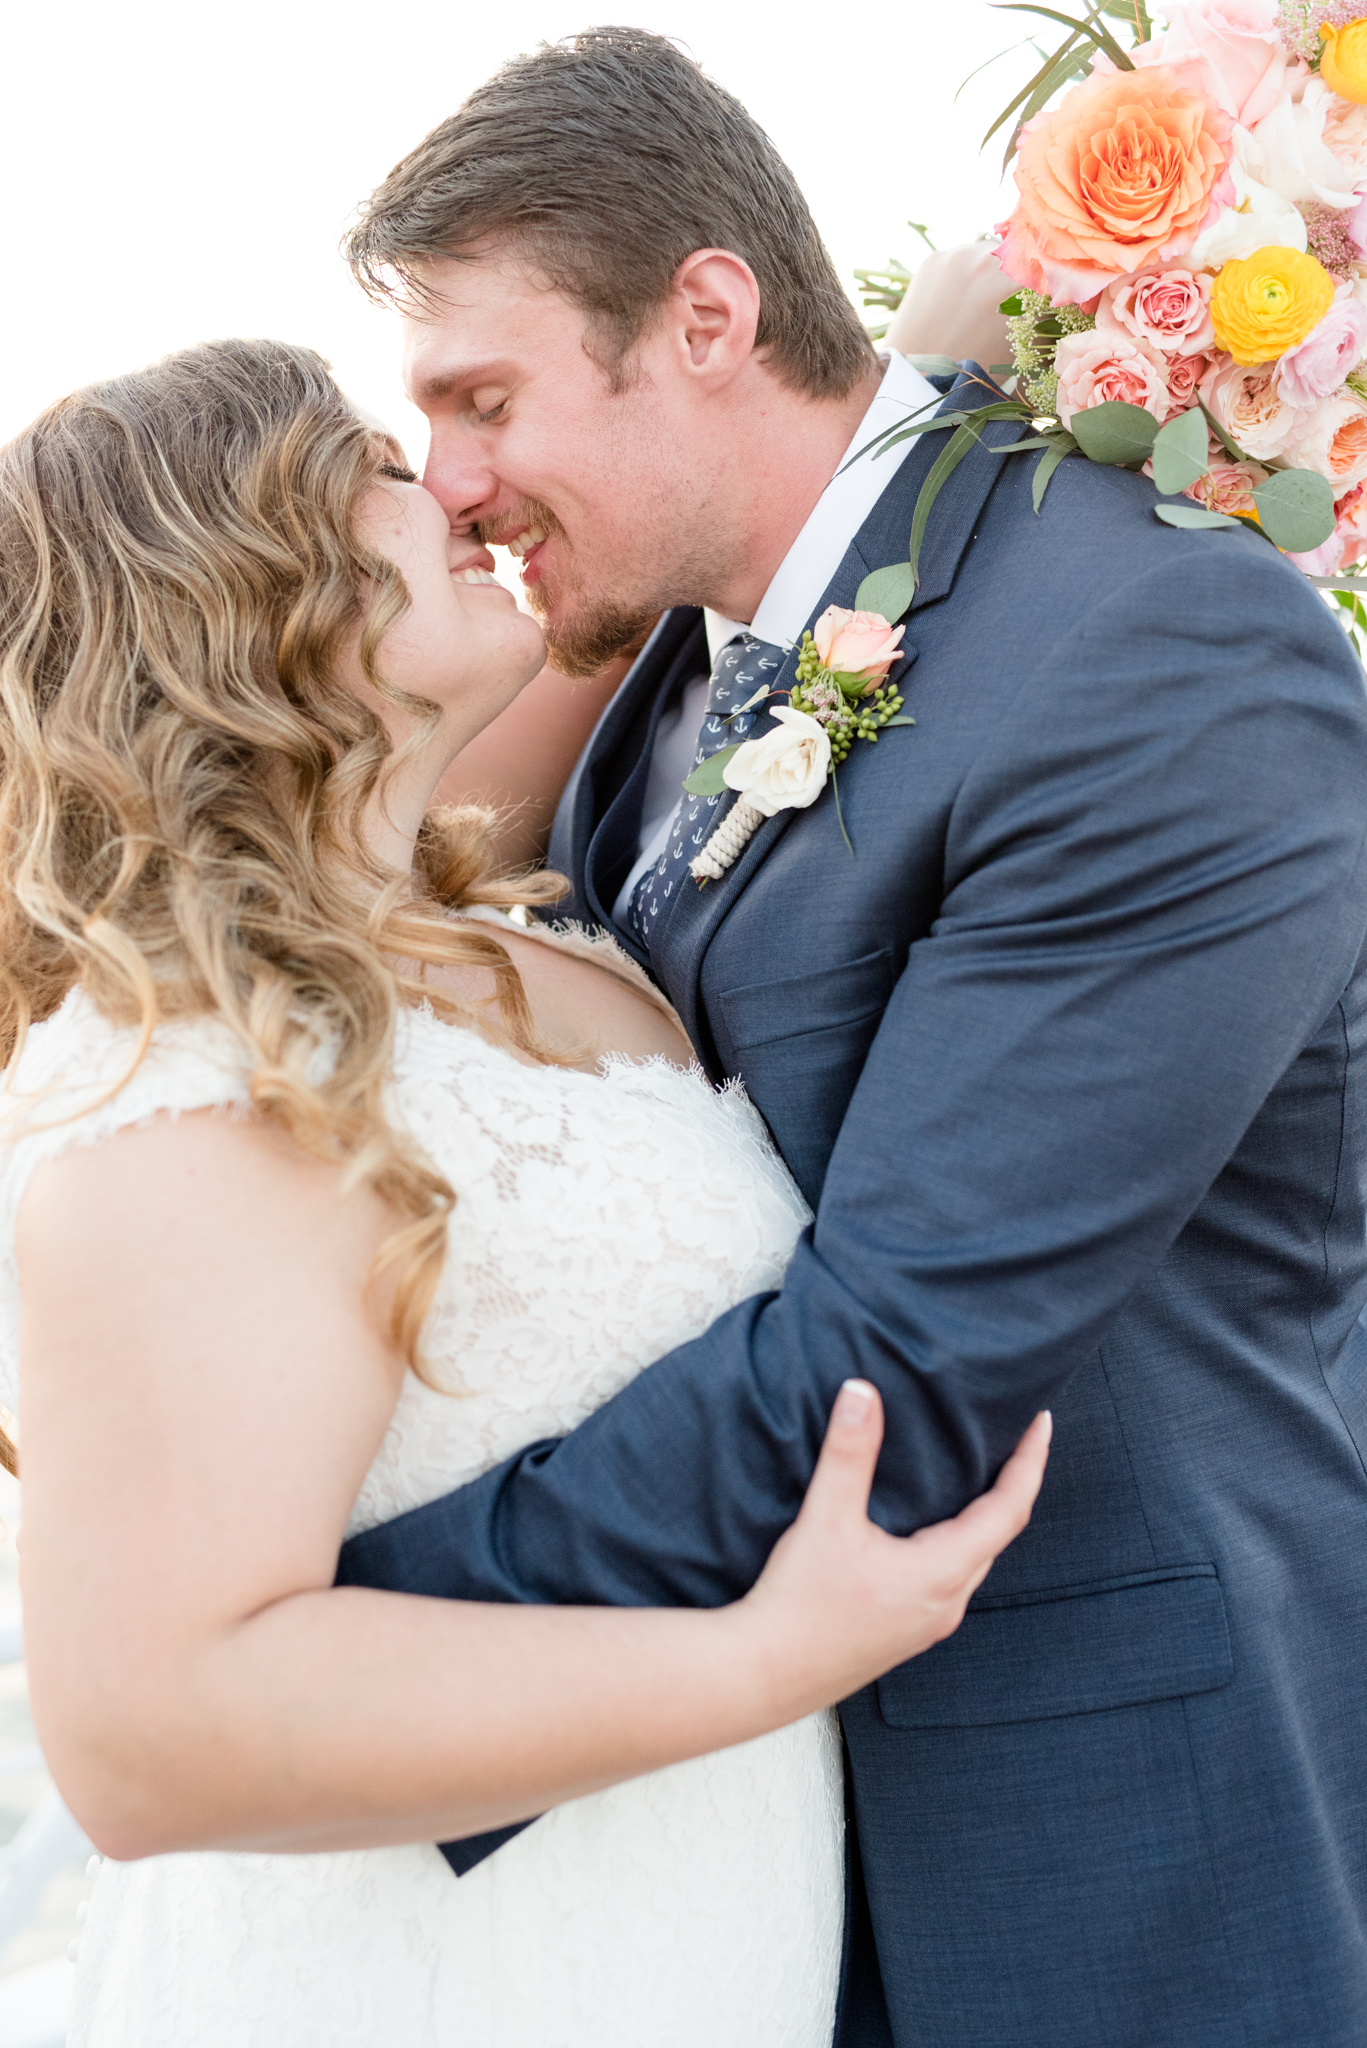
[437, 384]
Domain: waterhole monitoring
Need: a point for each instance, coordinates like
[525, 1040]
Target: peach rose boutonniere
[1123, 174]
[840, 695]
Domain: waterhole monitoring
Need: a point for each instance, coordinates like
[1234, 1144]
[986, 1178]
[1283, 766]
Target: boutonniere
[840, 695]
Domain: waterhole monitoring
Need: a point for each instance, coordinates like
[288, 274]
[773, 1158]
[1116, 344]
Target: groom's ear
[712, 314]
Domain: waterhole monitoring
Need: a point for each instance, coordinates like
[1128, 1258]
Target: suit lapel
[696, 914]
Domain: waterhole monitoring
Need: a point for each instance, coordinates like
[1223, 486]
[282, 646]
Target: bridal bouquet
[1190, 247]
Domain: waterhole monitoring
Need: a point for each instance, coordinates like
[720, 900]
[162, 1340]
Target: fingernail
[852, 1404]
[1048, 1415]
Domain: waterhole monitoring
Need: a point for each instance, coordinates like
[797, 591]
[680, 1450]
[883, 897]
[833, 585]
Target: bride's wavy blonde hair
[183, 779]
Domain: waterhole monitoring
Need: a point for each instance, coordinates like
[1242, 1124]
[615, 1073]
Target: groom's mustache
[507, 526]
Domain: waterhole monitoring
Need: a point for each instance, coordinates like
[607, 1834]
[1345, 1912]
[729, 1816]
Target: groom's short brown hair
[606, 159]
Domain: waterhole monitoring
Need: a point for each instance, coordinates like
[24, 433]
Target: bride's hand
[840, 1601]
[951, 307]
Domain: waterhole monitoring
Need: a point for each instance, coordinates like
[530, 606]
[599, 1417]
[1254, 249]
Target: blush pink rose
[1333, 440]
[1227, 486]
[1318, 365]
[1252, 408]
[1238, 43]
[857, 643]
[1095, 368]
[1347, 544]
[1184, 375]
[1170, 308]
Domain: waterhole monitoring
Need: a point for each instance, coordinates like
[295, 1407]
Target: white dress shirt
[786, 605]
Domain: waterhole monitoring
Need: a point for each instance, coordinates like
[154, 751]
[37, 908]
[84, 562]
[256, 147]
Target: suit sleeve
[1153, 894]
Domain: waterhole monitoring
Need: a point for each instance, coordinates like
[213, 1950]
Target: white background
[173, 172]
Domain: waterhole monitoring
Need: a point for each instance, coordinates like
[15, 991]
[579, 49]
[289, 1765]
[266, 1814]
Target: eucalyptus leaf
[901, 721]
[1059, 446]
[1296, 508]
[1091, 28]
[1188, 516]
[946, 462]
[934, 366]
[1012, 307]
[888, 591]
[1231, 448]
[1180, 453]
[1018, 447]
[707, 780]
[1116, 433]
[1036, 90]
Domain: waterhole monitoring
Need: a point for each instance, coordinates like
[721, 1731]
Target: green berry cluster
[860, 716]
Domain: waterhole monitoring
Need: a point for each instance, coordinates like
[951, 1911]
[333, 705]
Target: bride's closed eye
[398, 472]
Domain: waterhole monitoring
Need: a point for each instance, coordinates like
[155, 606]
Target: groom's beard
[590, 631]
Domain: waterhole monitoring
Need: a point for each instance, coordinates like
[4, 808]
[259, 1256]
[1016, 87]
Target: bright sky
[177, 171]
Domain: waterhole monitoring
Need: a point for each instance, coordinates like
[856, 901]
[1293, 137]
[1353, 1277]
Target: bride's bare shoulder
[586, 995]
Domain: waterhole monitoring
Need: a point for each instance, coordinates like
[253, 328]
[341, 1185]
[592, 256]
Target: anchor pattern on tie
[744, 666]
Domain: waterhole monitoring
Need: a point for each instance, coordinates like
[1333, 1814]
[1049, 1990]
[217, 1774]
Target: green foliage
[1180, 452]
[1190, 516]
[1036, 331]
[1072, 58]
[888, 591]
[708, 779]
[1296, 509]
[1060, 444]
[1116, 433]
[1231, 448]
[1354, 618]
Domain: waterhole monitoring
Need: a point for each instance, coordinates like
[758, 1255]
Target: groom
[1067, 1056]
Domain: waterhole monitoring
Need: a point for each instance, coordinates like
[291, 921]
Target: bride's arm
[203, 1390]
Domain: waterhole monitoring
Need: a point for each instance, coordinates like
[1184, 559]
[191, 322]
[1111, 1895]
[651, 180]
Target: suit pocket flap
[768, 1011]
[1154, 1636]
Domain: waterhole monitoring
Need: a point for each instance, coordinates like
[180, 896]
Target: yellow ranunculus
[1265, 303]
[1343, 60]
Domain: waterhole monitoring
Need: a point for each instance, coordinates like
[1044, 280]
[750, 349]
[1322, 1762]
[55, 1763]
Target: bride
[325, 1187]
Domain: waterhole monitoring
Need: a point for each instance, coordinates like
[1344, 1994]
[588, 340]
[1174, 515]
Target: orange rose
[1125, 172]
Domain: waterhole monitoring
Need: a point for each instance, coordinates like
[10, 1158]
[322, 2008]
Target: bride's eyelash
[400, 475]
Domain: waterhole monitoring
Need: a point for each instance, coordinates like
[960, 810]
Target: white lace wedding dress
[601, 1220]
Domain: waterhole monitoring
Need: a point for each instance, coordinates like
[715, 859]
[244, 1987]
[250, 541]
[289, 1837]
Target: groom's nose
[460, 476]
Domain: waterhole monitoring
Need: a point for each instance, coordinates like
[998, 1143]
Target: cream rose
[1314, 148]
[1258, 219]
[1333, 440]
[1250, 407]
[784, 770]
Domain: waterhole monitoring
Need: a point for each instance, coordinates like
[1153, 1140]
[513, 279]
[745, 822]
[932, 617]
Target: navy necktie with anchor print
[744, 666]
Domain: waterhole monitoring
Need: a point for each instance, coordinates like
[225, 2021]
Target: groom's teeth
[523, 543]
[475, 576]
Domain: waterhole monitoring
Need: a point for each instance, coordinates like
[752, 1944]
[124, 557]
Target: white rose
[785, 770]
[1259, 218]
[1299, 163]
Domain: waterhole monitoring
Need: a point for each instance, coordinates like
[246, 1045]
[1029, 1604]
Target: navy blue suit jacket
[1069, 1060]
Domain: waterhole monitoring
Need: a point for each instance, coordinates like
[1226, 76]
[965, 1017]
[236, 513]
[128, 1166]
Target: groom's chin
[590, 637]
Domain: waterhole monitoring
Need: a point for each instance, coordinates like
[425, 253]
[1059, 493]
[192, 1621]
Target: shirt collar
[836, 518]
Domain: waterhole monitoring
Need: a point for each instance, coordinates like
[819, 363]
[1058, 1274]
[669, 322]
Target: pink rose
[1347, 544]
[1251, 407]
[1227, 487]
[1333, 440]
[856, 643]
[1094, 368]
[1184, 381]
[1239, 44]
[1170, 308]
[1318, 365]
